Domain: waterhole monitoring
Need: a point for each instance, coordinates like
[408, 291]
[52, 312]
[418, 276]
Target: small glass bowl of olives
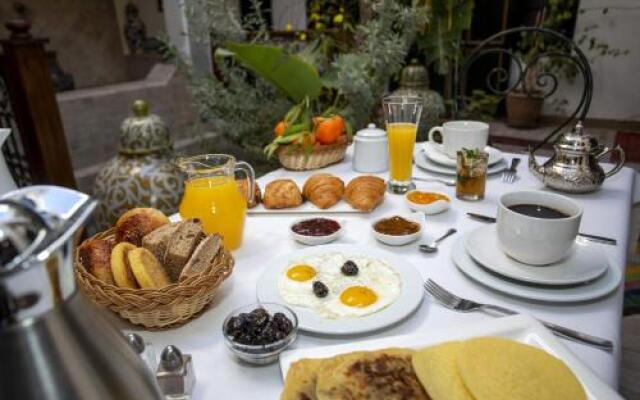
[257, 333]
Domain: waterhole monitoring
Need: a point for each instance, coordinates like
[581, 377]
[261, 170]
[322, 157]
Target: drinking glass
[471, 174]
[212, 195]
[402, 115]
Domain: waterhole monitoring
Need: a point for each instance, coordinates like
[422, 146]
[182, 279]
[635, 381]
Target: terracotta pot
[523, 111]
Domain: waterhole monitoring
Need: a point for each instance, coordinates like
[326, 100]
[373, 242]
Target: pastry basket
[168, 307]
[295, 157]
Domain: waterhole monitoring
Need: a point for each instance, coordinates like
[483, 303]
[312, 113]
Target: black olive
[349, 268]
[320, 289]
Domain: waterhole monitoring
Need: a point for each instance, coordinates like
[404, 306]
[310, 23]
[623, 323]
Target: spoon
[433, 246]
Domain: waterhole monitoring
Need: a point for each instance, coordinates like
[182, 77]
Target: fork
[453, 302]
[509, 175]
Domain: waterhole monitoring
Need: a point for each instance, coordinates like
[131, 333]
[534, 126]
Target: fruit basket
[304, 142]
[167, 307]
[296, 158]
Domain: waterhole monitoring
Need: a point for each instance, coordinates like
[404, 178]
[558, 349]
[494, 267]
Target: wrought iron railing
[535, 75]
[12, 148]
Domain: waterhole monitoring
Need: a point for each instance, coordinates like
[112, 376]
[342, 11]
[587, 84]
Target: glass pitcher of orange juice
[212, 195]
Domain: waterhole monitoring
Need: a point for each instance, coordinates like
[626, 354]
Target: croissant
[282, 193]
[257, 194]
[323, 190]
[365, 192]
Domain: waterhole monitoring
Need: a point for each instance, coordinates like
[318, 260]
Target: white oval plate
[422, 161]
[410, 297]
[585, 262]
[434, 154]
[550, 294]
[436, 207]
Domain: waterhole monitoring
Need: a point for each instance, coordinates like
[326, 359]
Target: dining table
[220, 376]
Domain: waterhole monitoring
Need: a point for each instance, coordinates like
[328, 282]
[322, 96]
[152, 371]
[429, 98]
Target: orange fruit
[279, 128]
[307, 139]
[329, 130]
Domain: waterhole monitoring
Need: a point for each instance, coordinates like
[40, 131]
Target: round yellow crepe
[436, 369]
[500, 369]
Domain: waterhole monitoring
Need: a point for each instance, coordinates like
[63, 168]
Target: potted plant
[524, 104]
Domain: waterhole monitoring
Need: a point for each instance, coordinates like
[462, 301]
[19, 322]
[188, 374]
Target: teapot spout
[536, 169]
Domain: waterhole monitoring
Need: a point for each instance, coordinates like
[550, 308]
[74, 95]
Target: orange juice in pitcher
[211, 194]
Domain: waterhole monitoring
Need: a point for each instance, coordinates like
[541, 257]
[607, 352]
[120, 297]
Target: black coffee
[538, 211]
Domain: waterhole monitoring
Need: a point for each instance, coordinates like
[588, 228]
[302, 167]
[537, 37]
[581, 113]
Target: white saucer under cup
[588, 291]
[585, 262]
[423, 162]
[437, 156]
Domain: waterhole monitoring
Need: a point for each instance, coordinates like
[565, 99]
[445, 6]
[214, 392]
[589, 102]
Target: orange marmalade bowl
[428, 202]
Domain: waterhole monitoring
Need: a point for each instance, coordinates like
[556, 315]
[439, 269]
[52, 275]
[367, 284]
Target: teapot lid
[414, 75]
[143, 133]
[577, 140]
[371, 131]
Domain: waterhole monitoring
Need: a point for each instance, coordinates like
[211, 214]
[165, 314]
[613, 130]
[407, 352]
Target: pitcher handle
[250, 177]
[620, 162]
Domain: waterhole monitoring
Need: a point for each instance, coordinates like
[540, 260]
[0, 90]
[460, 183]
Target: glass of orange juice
[402, 115]
[211, 194]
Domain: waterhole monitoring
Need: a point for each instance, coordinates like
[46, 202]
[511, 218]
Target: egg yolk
[301, 273]
[358, 296]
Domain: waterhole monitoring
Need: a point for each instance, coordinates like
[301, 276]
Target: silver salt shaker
[175, 374]
[144, 349]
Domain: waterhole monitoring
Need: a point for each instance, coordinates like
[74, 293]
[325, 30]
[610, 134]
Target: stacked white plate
[586, 273]
[431, 159]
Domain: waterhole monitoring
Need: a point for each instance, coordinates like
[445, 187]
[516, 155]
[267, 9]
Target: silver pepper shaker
[144, 349]
[175, 374]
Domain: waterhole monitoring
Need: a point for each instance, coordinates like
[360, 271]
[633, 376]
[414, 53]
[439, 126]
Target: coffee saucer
[585, 262]
[434, 154]
[599, 288]
[423, 162]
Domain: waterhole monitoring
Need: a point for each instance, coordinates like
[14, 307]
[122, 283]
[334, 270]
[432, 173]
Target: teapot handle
[250, 176]
[620, 162]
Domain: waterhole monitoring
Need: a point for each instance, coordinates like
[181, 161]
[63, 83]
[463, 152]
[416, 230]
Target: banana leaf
[287, 72]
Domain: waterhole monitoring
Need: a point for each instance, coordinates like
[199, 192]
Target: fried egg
[376, 285]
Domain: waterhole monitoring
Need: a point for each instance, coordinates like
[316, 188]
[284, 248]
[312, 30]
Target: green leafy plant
[258, 79]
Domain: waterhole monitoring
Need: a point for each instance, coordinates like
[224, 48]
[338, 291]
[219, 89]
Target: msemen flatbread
[384, 375]
[501, 369]
[300, 383]
[436, 369]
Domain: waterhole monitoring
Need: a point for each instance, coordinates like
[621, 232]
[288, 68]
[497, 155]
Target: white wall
[616, 93]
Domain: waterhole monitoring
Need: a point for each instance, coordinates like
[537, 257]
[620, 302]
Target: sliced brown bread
[202, 256]
[156, 241]
[183, 241]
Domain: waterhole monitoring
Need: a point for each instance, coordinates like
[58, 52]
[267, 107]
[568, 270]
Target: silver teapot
[54, 343]
[574, 167]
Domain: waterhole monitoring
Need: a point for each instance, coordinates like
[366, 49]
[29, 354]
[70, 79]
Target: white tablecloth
[219, 376]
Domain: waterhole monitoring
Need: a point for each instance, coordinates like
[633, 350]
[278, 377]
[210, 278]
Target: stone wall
[85, 35]
[92, 117]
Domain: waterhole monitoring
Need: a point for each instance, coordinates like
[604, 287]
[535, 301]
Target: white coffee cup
[457, 135]
[533, 240]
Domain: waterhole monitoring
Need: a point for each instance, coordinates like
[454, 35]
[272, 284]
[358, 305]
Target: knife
[595, 238]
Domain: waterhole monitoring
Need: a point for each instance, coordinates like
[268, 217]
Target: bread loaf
[181, 245]
[147, 269]
[156, 241]
[202, 256]
[122, 274]
[136, 223]
[95, 256]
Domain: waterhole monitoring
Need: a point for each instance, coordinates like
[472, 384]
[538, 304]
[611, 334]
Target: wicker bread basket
[170, 306]
[295, 158]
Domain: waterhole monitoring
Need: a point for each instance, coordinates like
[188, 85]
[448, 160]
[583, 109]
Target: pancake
[385, 374]
[501, 369]
[300, 383]
[436, 369]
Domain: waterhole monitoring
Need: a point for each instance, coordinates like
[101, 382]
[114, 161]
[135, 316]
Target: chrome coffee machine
[54, 343]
